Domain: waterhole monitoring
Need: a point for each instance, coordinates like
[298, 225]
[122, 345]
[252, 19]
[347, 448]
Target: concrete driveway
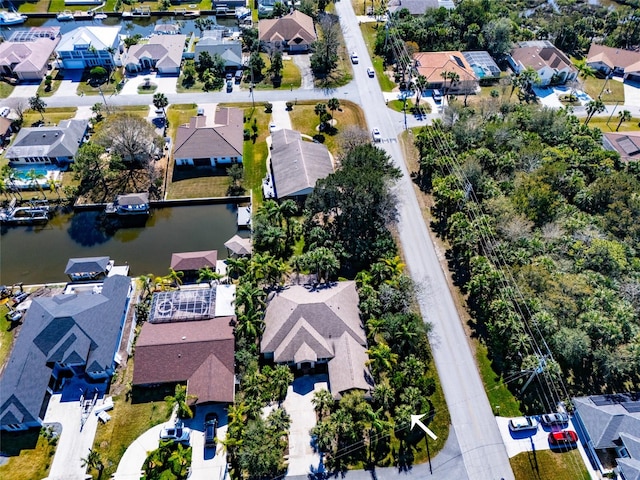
[166, 84]
[25, 90]
[631, 95]
[74, 442]
[303, 62]
[302, 458]
[280, 115]
[206, 464]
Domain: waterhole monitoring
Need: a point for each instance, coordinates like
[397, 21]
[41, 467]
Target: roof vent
[184, 338]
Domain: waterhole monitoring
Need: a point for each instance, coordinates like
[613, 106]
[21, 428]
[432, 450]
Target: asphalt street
[473, 424]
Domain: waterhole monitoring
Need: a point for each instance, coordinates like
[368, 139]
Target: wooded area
[542, 224]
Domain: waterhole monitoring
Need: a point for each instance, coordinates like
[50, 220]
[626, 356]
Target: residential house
[296, 165]
[162, 53]
[627, 144]
[215, 43]
[189, 263]
[48, 145]
[199, 354]
[432, 65]
[88, 47]
[418, 7]
[205, 143]
[552, 66]
[62, 336]
[293, 32]
[88, 268]
[319, 328]
[610, 426]
[26, 54]
[616, 61]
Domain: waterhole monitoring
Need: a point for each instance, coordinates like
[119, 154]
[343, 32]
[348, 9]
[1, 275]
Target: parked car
[229, 86]
[176, 433]
[210, 429]
[370, 72]
[238, 76]
[436, 95]
[5, 112]
[354, 58]
[228, 76]
[520, 424]
[377, 137]
[553, 419]
[563, 438]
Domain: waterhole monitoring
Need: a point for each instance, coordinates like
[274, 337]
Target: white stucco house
[88, 47]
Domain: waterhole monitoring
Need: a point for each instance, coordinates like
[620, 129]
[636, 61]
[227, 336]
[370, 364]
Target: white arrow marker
[415, 420]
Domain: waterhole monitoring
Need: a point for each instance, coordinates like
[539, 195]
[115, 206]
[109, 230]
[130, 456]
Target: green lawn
[613, 93]
[128, 421]
[5, 89]
[30, 455]
[56, 80]
[107, 88]
[291, 77]
[497, 391]
[601, 123]
[255, 152]
[306, 121]
[369, 31]
[547, 464]
[51, 115]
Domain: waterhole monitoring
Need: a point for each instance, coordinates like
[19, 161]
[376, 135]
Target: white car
[272, 127]
[354, 58]
[377, 137]
[5, 112]
[520, 424]
[370, 72]
[176, 433]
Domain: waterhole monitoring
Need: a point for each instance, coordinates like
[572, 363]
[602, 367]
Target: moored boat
[65, 16]
[100, 16]
[11, 18]
[131, 204]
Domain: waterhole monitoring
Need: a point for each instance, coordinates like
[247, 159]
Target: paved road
[473, 423]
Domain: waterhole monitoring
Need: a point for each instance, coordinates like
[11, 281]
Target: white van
[519, 424]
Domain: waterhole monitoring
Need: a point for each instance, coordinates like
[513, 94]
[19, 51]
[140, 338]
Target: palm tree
[54, 186]
[37, 105]
[160, 100]
[280, 379]
[175, 278]
[180, 459]
[333, 104]
[180, 401]
[584, 71]
[381, 358]
[236, 266]
[319, 109]
[624, 116]
[250, 326]
[288, 210]
[323, 402]
[147, 282]
[208, 275]
[97, 111]
[93, 461]
[249, 298]
[593, 107]
[454, 78]
[279, 421]
[33, 178]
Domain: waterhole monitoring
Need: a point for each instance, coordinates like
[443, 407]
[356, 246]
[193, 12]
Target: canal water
[39, 254]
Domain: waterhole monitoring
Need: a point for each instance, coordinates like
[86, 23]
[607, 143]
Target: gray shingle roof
[295, 27]
[85, 327]
[165, 50]
[609, 418]
[61, 141]
[225, 139]
[304, 325]
[297, 165]
[87, 265]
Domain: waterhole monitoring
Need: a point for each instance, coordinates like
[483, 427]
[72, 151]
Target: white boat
[131, 204]
[100, 16]
[242, 12]
[65, 16]
[11, 18]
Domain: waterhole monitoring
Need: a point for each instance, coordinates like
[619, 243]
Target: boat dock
[244, 216]
[36, 213]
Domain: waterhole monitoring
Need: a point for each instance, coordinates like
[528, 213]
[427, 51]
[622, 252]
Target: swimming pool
[21, 171]
[479, 71]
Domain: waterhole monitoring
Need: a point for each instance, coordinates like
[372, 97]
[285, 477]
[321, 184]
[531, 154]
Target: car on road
[563, 438]
[272, 126]
[370, 72]
[521, 424]
[177, 433]
[554, 419]
[354, 58]
[229, 86]
[436, 95]
[210, 429]
[377, 137]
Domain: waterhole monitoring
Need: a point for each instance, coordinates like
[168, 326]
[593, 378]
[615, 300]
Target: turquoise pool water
[479, 71]
[21, 171]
